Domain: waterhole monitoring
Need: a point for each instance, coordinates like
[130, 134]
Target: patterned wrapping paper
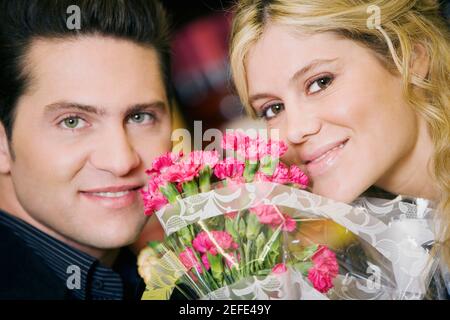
[394, 233]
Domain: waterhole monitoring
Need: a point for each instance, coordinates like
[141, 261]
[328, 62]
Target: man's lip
[114, 188]
[308, 157]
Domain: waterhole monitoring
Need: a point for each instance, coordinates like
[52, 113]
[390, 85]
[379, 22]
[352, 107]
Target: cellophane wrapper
[229, 244]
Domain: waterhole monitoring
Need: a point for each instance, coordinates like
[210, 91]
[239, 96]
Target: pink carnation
[153, 199]
[250, 149]
[253, 148]
[279, 268]
[280, 175]
[267, 214]
[164, 161]
[236, 141]
[321, 281]
[272, 148]
[154, 183]
[288, 224]
[180, 172]
[325, 269]
[243, 144]
[230, 141]
[205, 261]
[270, 215]
[203, 242]
[203, 158]
[189, 260]
[229, 168]
[231, 215]
[297, 176]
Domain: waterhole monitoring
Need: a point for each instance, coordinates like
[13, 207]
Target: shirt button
[97, 284]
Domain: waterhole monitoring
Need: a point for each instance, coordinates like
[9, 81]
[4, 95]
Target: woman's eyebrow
[299, 73]
[310, 66]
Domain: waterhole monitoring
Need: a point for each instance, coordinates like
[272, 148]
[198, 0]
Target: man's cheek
[150, 149]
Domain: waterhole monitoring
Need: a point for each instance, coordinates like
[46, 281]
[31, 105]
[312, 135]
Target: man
[84, 109]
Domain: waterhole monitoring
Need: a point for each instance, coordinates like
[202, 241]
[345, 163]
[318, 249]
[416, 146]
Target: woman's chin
[336, 194]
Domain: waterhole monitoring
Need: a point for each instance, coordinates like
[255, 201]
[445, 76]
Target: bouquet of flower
[245, 227]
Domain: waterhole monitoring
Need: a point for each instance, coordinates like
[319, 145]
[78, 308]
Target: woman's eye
[141, 118]
[319, 84]
[73, 122]
[272, 111]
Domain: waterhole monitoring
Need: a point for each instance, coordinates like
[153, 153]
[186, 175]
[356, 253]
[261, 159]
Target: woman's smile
[324, 159]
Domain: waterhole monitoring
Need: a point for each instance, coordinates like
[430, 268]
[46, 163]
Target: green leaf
[253, 227]
[231, 229]
[170, 192]
[190, 188]
[205, 179]
[306, 253]
[216, 266]
[250, 170]
[185, 235]
[242, 229]
[303, 267]
[268, 165]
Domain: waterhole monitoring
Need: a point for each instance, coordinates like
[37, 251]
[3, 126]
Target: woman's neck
[412, 175]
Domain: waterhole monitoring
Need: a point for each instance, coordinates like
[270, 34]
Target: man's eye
[73, 122]
[272, 111]
[320, 84]
[142, 117]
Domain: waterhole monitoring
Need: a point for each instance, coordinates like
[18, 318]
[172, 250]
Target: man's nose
[115, 153]
[301, 122]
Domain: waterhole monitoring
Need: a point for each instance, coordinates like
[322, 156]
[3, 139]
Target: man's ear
[5, 154]
[420, 61]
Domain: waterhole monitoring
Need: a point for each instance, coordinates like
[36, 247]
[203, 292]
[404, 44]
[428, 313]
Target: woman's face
[341, 112]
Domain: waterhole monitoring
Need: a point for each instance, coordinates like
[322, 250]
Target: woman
[358, 91]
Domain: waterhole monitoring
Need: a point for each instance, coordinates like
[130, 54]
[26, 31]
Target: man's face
[92, 120]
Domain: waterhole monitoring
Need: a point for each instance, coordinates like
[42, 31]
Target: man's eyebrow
[139, 107]
[72, 105]
[135, 108]
[313, 64]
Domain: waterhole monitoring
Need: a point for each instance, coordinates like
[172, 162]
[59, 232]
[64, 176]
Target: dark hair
[21, 21]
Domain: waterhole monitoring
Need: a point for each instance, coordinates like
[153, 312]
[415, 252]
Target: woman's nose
[300, 124]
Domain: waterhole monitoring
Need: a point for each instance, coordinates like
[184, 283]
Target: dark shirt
[95, 281]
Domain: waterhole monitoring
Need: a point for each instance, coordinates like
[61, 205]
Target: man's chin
[108, 243]
[111, 236]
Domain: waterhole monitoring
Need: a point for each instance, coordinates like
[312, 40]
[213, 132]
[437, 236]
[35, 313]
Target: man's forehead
[74, 56]
[81, 73]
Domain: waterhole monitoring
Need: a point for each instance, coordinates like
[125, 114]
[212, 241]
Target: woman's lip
[318, 167]
[321, 151]
[112, 201]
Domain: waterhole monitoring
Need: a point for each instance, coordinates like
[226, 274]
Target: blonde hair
[403, 24]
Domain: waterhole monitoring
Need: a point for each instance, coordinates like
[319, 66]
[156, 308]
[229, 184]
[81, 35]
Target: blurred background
[201, 74]
[200, 68]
